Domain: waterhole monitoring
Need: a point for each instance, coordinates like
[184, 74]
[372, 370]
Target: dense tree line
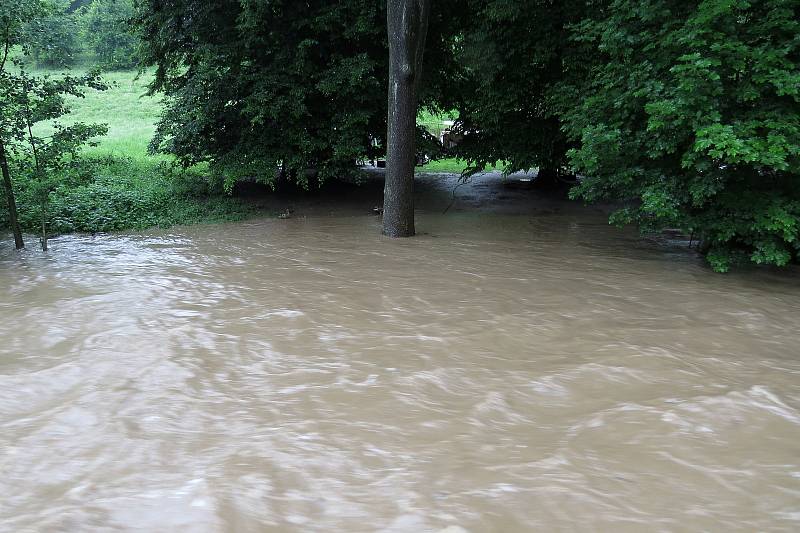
[260, 85]
[685, 112]
[688, 112]
[83, 31]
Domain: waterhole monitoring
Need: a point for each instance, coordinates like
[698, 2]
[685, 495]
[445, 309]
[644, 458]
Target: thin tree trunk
[43, 192]
[10, 200]
[44, 224]
[407, 22]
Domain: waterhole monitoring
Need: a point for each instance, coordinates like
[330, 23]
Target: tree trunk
[10, 201]
[407, 22]
[547, 179]
[44, 224]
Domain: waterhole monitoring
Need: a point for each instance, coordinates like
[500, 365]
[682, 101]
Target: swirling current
[506, 371]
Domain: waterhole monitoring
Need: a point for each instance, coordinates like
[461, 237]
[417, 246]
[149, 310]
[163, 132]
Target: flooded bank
[518, 366]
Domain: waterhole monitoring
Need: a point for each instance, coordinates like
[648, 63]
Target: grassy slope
[129, 113]
[125, 108]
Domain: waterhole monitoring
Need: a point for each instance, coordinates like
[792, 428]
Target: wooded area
[687, 114]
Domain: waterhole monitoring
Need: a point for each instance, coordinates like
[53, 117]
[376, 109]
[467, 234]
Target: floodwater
[523, 368]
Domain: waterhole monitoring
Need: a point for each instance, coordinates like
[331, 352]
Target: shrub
[690, 113]
[105, 27]
[98, 195]
[53, 38]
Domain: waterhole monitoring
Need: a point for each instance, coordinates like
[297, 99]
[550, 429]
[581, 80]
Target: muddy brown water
[520, 366]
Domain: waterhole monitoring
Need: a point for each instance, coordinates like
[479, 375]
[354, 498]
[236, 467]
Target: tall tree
[685, 112]
[407, 23]
[257, 85]
[689, 113]
[52, 38]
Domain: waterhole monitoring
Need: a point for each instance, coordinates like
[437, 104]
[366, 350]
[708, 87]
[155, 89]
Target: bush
[690, 113]
[53, 39]
[99, 195]
[105, 27]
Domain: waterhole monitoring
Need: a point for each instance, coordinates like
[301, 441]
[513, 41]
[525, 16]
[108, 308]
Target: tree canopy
[685, 112]
[105, 26]
[510, 57]
[690, 113]
[258, 85]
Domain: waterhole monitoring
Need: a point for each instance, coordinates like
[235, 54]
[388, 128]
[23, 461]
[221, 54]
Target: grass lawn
[130, 115]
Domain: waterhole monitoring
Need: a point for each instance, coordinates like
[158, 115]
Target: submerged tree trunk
[407, 22]
[10, 200]
[43, 238]
[548, 179]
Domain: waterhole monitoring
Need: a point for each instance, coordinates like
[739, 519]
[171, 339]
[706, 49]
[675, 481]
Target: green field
[130, 114]
[117, 185]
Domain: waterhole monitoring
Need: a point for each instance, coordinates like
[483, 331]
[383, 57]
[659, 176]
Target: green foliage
[690, 112]
[509, 55]
[108, 194]
[44, 159]
[53, 37]
[15, 16]
[115, 185]
[687, 113]
[27, 100]
[260, 85]
[105, 27]
[255, 86]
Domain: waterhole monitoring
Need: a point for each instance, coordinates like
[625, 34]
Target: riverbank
[115, 195]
